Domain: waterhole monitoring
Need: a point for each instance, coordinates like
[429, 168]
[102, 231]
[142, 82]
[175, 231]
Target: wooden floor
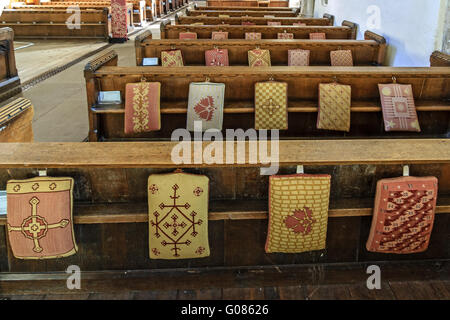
[413, 290]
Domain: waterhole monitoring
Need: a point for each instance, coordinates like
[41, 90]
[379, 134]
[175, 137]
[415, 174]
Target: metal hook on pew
[172, 47]
[271, 78]
[300, 169]
[207, 79]
[143, 79]
[335, 79]
[406, 170]
[394, 79]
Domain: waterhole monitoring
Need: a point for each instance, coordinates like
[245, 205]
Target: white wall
[413, 28]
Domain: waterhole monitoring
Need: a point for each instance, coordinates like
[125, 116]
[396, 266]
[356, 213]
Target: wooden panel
[157, 154]
[242, 8]
[363, 52]
[4, 267]
[235, 13]
[287, 21]
[267, 32]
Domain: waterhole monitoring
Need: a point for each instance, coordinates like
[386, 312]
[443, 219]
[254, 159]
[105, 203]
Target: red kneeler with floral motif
[178, 216]
[39, 218]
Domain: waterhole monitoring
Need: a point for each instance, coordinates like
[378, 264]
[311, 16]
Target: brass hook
[335, 79]
[271, 77]
[394, 79]
[172, 47]
[207, 79]
[143, 79]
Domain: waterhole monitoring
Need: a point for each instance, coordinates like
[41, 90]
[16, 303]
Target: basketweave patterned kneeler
[399, 110]
[205, 104]
[178, 216]
[142, 112]
[403, 215]
[39, 219]
[334, 107]
[298, 213]
[271, 105]
[259, 58]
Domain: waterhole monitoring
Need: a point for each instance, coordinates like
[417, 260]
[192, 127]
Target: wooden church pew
[9, 77]
[51, 23]
[439, 59]
[429, 84]
[235, 13]
[348, 30]
[287, 21]
[16, 119]
[208, 8]
[82, 6]
[365, 52]
[247, 3]
[110, 207]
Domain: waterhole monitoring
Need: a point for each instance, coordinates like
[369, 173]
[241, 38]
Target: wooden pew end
[353, 26]
[329, 17]
[439, 59]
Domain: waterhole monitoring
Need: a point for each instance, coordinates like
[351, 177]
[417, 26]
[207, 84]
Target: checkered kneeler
[271, 105]
[317, 36]
[341, 58]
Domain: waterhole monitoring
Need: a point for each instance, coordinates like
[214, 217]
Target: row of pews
[111, 170]
[52, 20]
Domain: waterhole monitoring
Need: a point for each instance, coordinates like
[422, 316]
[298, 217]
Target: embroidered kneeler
[334, 107]
[142, 113]
[259, 58]
[271, 105]
[403, 215]
[298, 213]
[178, 216]
[205, 104]
[172, 58]
[399, 110]
[216, 57]
[39, 218]
[219, 35]
[253, 36]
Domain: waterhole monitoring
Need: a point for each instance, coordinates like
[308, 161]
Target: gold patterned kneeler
[334, 107]
[178, 216]
[298, 213]
[271, 105]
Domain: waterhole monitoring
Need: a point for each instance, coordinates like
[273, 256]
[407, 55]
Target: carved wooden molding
[13, 109]
[329, 17]
[97, 62]
[369, 35]
[439, 59]
[147, 34]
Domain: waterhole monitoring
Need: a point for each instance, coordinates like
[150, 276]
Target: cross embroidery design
[35, 227]
[271, 106]
[182, 223]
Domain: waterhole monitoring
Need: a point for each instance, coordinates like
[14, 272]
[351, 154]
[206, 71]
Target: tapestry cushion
[403, 215]
[298, 213]
[39, 219]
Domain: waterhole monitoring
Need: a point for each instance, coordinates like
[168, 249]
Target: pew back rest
[256, 20]
[347, 31]
[365, 52]
[16, 120]
[235, 13]
[55, 16]
[430, 89]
